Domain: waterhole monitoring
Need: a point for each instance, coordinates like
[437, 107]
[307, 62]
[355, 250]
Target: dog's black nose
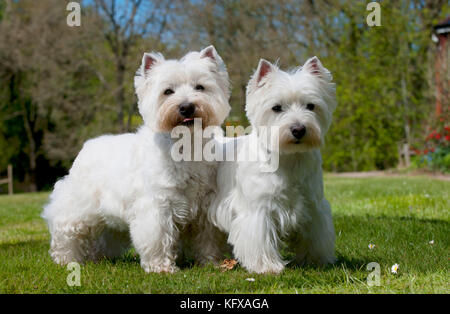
[187, 109]
[298, 131]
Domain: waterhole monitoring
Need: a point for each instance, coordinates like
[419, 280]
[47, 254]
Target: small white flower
[371, 246]
[431, 242]
[250, 279]
[427, 195]
[394, 268]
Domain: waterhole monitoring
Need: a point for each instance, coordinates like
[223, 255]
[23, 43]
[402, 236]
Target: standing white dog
[262, 210]
[129, 185]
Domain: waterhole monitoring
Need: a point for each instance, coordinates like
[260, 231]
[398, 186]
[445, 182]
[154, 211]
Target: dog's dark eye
[168, 92]
[310, 107]
[199, 87]
[276, 108]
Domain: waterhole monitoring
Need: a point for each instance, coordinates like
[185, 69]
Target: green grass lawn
[399, 215]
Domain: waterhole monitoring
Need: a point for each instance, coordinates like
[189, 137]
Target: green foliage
[436, 153]
[63, 86]
[58, 90]
[399, 215]
[384, 96]
[440, 159]
[437, 160]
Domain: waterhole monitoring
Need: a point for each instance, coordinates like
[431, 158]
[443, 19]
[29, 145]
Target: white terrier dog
[262, 210]
[128, 185]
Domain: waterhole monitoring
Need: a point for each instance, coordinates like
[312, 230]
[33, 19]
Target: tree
[381, 72]
[48, 83]
[125, 25]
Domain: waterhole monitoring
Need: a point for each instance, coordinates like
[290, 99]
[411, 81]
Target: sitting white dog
[262, 210]
[129, 185]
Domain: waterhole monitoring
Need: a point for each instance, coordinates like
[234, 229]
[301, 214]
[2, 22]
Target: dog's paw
[267, 269]
[63, 259]
[60, 260]
[151, 268]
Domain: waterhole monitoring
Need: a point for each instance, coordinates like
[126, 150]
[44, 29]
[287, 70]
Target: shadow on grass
[19, 245]
[404, 239]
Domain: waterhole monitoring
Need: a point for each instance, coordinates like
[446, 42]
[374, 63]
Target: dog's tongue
[188, 119]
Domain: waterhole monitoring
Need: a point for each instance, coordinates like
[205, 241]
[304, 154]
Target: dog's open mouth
[188, 121]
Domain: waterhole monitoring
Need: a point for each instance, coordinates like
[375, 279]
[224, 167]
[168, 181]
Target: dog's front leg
[255, 241]
[154, 235]
[316, 244]
[210, 243]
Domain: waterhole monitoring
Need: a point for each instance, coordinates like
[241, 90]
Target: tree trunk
[120, 75]
[401, 164]
[32, 176]
[32, 154]
[406, 125]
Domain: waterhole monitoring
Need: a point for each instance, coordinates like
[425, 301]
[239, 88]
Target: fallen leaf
[228, 264]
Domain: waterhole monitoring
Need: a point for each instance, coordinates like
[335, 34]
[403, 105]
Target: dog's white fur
[127, 188]
[261, 211]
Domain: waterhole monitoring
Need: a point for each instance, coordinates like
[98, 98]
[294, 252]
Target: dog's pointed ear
[211, 53]
[149, 60]
[264, 68]
[315, 67]
[258, 78]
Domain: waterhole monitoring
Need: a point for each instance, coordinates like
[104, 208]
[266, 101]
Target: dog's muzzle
[187, 112]
[186, 109]
[298, 131]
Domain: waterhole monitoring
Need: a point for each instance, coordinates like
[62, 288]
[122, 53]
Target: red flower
[425, 151]
[447, 137]
[438, 136]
